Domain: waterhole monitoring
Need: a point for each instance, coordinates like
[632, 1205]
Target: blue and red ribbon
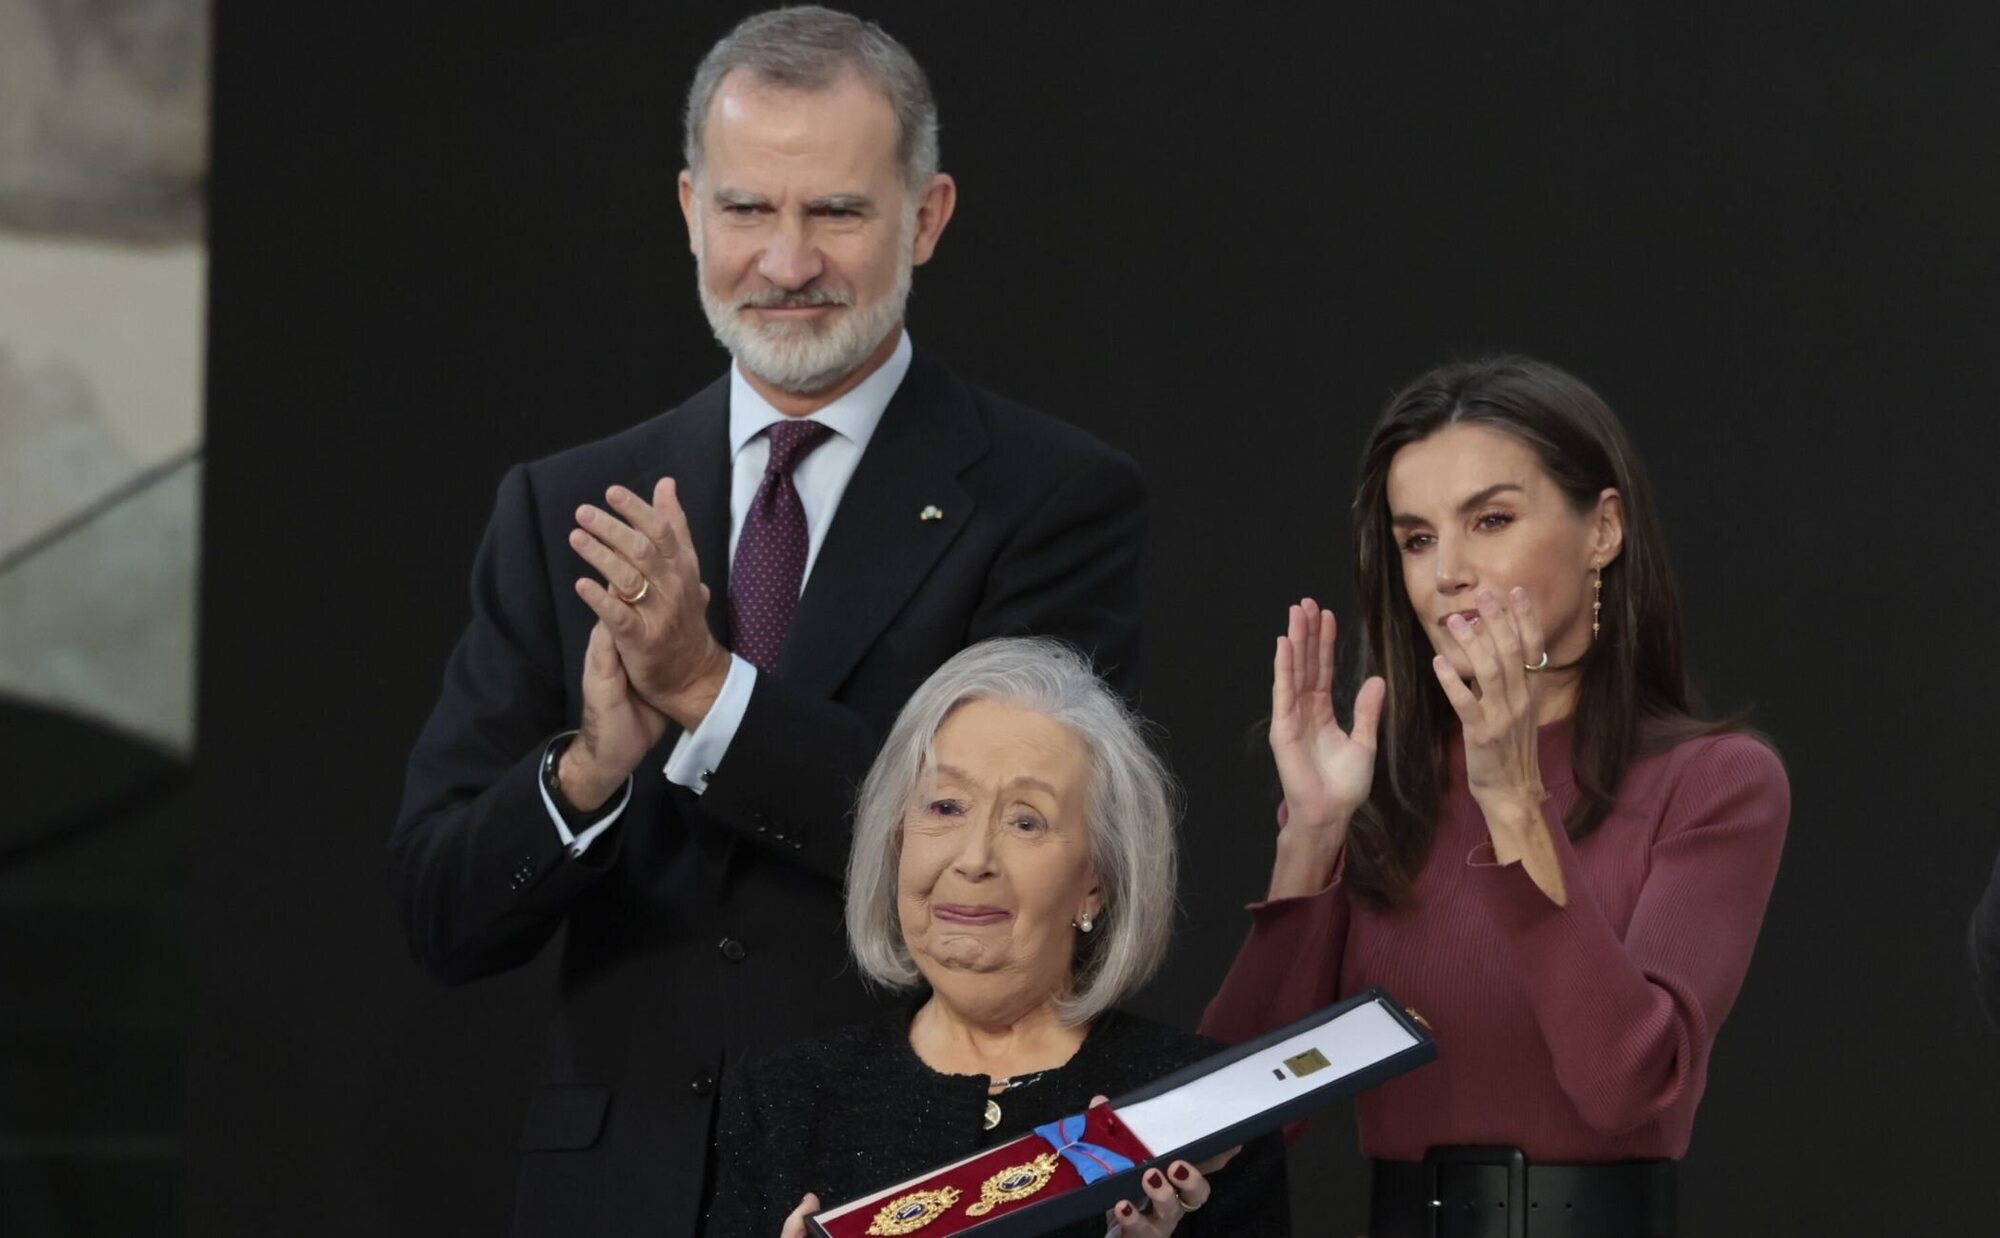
[1092, 1161]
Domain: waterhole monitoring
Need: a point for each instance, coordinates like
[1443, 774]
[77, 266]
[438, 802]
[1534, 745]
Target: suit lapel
[693, 449]
[880, 545]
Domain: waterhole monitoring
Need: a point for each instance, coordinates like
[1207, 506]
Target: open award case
[1085, 1163]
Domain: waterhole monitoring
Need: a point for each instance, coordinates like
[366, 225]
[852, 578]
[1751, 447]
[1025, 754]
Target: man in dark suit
[659, 757]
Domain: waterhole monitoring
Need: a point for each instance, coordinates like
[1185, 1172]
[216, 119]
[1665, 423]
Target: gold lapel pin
[931, 512]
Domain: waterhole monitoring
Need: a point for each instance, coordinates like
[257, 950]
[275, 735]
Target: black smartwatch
[552, 781]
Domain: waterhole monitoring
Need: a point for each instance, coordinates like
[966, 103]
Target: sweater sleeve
[1629, 1022]
[1288, 967]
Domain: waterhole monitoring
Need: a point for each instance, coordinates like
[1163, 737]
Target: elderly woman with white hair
[1013, 870]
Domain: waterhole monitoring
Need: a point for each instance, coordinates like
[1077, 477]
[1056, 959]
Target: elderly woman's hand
[1180, 1190]
[1175, 1193]
[1326, 772]
[795, 1224]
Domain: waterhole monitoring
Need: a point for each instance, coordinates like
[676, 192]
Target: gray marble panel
[103, 117]
[101, 621]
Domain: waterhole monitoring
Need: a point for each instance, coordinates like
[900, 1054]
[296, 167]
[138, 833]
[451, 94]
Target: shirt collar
[853, 416]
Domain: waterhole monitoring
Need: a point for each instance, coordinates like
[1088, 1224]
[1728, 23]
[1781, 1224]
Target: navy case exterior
[1044, 1215]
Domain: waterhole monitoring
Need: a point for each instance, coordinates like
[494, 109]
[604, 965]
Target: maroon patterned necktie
[770, 559]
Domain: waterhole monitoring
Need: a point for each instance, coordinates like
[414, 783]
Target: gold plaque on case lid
[1307, 1062]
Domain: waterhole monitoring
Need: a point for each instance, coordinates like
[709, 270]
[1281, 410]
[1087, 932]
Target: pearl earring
[1596, 601]
[1083, 922]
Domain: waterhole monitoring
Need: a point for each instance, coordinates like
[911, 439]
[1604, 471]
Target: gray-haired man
[687, 639]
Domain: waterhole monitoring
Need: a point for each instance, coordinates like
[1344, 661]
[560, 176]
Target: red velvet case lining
[1101, 1127]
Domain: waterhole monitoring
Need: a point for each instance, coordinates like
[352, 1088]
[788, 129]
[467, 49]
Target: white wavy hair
[1133, 818]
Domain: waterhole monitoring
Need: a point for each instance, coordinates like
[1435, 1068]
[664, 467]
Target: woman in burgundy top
[1528, 835]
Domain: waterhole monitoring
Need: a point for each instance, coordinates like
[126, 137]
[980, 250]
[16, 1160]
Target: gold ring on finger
[1185, 1205]
[1542, 665]
[647, 586]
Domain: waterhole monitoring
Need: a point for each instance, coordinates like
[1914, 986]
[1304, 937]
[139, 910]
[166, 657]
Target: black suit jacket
[701, 928]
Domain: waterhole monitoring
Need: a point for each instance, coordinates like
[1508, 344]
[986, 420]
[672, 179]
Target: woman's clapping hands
[1501, 722]
[1325, 771]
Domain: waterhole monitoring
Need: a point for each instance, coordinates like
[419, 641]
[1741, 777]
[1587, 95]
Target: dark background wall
[445, 240]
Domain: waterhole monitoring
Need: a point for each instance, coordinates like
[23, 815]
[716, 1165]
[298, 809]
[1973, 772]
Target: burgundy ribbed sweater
[1576, 1033]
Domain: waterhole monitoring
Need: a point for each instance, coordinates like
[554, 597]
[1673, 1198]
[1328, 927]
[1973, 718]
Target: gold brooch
[908, 1213]
[1017, 1182]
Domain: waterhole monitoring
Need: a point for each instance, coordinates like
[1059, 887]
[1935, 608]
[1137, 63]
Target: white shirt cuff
[577, 843]
[696, 753]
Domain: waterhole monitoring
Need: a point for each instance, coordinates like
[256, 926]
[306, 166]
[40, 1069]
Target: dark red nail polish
[1125, 1211]
[1154, 1180]
[1180, 1173]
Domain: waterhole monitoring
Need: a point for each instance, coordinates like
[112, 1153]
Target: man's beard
[803, 357]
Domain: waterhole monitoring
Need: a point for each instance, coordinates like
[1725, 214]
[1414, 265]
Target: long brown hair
[1633, 695]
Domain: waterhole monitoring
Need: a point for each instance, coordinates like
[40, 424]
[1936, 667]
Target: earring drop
[1596, 601]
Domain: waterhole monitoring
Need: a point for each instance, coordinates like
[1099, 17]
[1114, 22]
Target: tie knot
[790, 441]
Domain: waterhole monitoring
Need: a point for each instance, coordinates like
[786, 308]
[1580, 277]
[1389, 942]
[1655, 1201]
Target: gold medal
[1017, 1182]
[906, 1214]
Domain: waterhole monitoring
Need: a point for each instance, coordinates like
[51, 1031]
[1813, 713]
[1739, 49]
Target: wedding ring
[1532, 667]
[640, 596]
[1185, 1205]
